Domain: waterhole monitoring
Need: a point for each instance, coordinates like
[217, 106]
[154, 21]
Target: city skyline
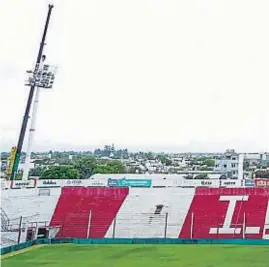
[193, 147]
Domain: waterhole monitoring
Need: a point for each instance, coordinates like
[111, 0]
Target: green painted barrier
[163, 241]
[126, 241]
[24, 245]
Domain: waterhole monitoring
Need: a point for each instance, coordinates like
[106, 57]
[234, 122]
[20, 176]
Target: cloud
[141, 73]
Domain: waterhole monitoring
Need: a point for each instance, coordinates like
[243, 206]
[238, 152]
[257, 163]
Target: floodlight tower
[40, 77]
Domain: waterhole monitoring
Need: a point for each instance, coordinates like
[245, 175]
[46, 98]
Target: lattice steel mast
[33, 83]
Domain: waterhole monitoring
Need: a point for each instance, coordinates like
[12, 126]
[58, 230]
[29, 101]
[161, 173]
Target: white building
[252, 158]
[231, 164]
[265, 160]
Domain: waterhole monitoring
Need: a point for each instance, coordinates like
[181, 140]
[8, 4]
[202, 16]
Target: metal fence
[148, 225]
[241, 225]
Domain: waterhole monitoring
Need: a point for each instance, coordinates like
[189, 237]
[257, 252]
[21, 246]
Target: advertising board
[129, 182]
[196, 183]
[231, 183]
[49, 183]
[112, 182]
[249, 183]
[70, 182]
[259, 182]
[162, 182]
[95, 183]
[75, 182]
[16, 184]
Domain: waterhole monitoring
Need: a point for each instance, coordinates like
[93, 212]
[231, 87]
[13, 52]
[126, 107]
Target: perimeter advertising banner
[70, 183]
[129, 182]
[231, 183]
[17, 184]
[196, 183]
[249, 183]
[74, 182]
[49, 183]
[261, 182]
[95, 183]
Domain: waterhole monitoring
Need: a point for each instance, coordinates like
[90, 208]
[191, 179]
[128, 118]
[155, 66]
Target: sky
[144, 74]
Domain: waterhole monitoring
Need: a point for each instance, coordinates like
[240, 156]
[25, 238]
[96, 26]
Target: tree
[85, 166]
[36, 171]
[188, 176]
[43, 162]
[133, 169]
[97, 152]
[90, 165]
[117, 166]
[60, 172]
[63, 161]
[205, 168]
[19, 175]
[113, 166]
[201, 176]
[262, 174]
[165, 160]
[209, 162]
[246, 165]
[149, 156]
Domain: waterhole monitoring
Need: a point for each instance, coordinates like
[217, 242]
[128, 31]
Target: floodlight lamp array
[43, 76]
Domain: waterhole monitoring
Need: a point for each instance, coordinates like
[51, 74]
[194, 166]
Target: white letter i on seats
[227, 229]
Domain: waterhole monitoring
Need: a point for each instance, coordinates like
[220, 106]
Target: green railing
[110, 241]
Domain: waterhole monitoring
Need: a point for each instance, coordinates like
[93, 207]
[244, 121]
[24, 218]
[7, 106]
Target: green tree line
[82, 168]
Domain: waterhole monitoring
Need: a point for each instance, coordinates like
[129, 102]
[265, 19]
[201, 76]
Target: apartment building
[231, 164]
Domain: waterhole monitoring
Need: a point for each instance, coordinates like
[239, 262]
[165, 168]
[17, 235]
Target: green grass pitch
[141, 255]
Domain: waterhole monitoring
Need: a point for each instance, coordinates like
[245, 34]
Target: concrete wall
[142, 212]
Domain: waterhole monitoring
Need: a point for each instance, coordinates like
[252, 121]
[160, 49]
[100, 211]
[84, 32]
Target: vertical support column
[31, 136]
[20, 229]
[244, 226]
[165, 224]
[36, 231]
[192, 225]
[63, 226]
[265, 234]
[240, 166]
[89, 224]
[114, 227]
